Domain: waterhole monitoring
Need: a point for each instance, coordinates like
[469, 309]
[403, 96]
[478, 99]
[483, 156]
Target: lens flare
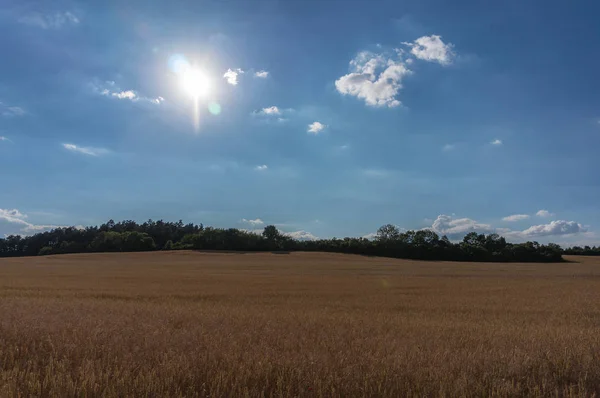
[214, 108]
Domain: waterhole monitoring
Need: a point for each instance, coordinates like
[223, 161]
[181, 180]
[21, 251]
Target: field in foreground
[303, 324]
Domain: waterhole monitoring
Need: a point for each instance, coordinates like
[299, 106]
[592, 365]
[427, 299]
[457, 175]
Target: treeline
[583, 251]
[129, 236]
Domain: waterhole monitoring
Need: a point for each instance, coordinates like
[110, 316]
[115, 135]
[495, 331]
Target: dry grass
[304, 324]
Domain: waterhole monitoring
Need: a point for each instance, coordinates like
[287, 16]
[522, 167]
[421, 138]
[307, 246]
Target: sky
[324, 118]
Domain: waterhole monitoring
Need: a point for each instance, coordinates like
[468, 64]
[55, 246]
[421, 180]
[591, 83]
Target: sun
[195, 83]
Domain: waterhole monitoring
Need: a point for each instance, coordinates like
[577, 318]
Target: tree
[388, 232]
[271, 233]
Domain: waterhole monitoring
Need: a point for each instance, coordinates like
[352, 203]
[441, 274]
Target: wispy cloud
[110, 89]
[11, 111]
[496, 142]
[50, 21]
[2, 138]
[449, 147]
[129, 94]
[544, 214]
[261, 167]
[14, 216]
[516, 217]
[254, 223]
[232, 76]
[316, 127]
[90, 151]
[432, 49]
[263, 74]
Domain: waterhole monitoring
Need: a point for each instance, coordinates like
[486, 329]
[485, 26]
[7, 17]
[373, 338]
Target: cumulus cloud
[90, 151]
[516, 217]
[496, 142]
[301, 235]
[14, 216]
[232, 76]
[432, 49]
[254, 223]
[375, 78]
[457, 228]
[271, 110]
[453, 228]
[316, 127]
[50, 21]
[544, 214]
[559, 227]
[263, 74]
[261, 167]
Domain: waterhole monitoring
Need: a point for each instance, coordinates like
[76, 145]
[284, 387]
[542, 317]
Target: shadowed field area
[300, 324]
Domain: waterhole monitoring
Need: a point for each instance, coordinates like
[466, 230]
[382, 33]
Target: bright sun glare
[195, 83]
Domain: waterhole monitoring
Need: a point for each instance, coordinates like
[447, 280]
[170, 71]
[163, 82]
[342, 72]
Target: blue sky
[325, 118]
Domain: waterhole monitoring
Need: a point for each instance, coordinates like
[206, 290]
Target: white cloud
[261, 168]
[129, 94]
[544, 214]
[448, 147]
[2, 138]
[370, 236]
[496, 142]
[263, 74]
[516, 217]
[457, 228]
[232, 76]
[271, 110]
[301, 235]
[86, 150]
[447, 225]
[316, 127]
[254, 223]
[432, 49]
[110, 89]
[559, 227]
[50, 21]
[374, 78]
[14, 216]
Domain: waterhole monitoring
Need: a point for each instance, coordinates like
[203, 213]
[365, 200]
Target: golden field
[302, 324]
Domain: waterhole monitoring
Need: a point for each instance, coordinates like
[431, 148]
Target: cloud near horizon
[456, 228]
[516, 217]
[254, 223]
[14, 216]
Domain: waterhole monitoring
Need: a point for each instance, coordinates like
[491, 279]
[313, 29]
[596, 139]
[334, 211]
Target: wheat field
[301, 324]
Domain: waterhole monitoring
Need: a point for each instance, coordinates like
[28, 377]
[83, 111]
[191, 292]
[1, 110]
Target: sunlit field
[300, 324]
